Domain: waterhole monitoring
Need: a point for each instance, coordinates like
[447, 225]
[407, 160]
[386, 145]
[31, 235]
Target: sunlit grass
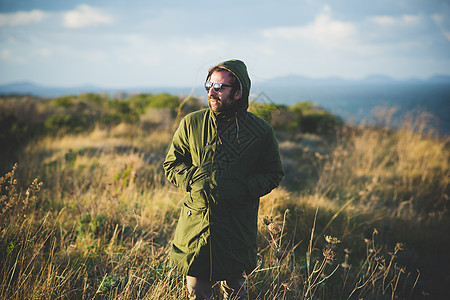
[101, 222]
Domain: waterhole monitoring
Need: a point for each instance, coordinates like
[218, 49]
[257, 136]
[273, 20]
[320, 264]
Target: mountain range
[374, 79]
[30, 88]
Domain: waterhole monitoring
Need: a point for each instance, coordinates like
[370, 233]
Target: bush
[300, 117]
[65, 101]
[319, 121]
[68, 123]
[94, 100]
[122, 111]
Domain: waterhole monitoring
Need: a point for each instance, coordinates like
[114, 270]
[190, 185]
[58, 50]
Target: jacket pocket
[192, 225]
[199, 180]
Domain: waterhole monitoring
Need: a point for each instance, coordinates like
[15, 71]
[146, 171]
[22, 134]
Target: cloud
[438, 19]
[323, 30]
[8, 56]
[22, 18]
[389, 21]
[85, 15]
[447, 35]
[44, 52]
[443, 23]
[5, 54]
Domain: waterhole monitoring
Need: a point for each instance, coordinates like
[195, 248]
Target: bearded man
[224, 159]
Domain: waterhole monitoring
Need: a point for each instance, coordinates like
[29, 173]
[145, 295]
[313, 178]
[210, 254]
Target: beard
[224, 105]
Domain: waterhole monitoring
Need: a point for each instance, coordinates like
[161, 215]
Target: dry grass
[101, 224]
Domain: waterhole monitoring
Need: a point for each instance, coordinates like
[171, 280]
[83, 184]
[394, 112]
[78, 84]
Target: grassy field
[86, 212]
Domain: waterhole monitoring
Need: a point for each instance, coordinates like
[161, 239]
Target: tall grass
[391, 167]
[374, 203]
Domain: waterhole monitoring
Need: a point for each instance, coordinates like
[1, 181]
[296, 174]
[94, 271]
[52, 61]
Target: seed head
[274, 228]
[346, 264]
[328, 250]
[332, 242]
[328, 254]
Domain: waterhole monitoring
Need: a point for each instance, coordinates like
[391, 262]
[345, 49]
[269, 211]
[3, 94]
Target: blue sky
[140, 43]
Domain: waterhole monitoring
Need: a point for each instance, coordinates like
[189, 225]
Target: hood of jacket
[239, 70]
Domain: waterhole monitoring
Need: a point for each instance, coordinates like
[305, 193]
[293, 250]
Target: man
[224, 159]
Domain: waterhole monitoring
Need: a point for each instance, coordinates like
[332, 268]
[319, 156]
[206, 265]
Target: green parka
[224, 163]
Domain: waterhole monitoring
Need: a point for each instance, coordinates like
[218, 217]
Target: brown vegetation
[362, 212]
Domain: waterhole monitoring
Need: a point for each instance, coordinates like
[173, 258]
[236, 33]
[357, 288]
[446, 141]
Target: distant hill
[445, 79]
[24, 88]
[29, 88]
[375, 79]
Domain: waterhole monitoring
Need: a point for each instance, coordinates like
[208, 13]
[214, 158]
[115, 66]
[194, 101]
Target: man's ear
[237, 95]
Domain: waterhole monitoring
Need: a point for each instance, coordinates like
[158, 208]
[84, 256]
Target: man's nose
[211, 91]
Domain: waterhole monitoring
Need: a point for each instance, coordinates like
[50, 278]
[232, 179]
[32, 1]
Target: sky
[157, 43]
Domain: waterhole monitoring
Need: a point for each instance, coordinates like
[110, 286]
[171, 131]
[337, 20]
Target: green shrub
[142, 102]
[301, 107]
[64, 101]
[164, 101]
[67, 123]
[121, 111]
[319, 121]
[301, 116]
[139, 103]
[94, 100]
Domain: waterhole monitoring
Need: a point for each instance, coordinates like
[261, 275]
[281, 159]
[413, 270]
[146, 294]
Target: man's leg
[235, 289]
[198, 288]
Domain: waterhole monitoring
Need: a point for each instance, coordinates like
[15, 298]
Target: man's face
[224, 99]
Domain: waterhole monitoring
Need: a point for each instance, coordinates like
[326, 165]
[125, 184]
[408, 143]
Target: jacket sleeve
[178, 165]
[270, 171]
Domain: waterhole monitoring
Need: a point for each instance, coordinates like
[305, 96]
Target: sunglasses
[215, 86]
